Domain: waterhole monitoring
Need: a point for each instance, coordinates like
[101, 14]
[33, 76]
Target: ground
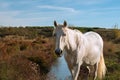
[28, 53]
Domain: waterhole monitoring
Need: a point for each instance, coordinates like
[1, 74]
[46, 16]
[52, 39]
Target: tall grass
[117, 35]
[27, 53]
[23, 57]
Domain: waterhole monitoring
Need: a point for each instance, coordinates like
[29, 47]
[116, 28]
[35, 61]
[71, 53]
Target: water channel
[59, 70]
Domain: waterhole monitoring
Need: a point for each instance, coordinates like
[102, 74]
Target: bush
[25, 59]
[18, 68]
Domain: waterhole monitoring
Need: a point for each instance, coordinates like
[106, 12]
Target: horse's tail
[101, 68]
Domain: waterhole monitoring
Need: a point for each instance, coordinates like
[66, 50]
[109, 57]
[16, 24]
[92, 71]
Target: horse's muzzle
[58, 52]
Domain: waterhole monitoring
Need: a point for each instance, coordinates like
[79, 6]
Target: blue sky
[90, 13]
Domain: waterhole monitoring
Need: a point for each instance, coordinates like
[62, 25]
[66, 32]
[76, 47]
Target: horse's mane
[76, 30]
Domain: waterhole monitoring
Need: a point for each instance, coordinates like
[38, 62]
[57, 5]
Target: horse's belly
[92, 56]
[90, 60]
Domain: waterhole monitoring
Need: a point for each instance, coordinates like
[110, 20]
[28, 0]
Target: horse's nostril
[58, 52]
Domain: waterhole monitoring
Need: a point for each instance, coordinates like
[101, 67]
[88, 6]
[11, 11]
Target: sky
[89, 13]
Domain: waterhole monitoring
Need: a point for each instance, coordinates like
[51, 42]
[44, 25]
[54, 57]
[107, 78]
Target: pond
[59, 70]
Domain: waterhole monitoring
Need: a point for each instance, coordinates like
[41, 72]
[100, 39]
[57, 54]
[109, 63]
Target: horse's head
[60, 37]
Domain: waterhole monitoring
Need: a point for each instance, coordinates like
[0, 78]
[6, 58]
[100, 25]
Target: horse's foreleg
[76, 70]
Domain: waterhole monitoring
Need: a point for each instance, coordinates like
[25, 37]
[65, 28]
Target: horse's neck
[74, 40]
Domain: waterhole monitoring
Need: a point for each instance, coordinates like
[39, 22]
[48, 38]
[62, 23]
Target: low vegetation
[28, 53]
[111, 52]
[25, 54]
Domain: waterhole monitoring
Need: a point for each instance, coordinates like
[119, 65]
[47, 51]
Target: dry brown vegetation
[27, 53]
[25, 56]
[111, 52]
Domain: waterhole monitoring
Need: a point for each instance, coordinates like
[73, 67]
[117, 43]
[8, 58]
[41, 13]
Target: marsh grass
[27, 53]
[112, 56]
[25, 59]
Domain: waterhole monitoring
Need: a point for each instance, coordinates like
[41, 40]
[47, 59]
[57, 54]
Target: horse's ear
[65, 23]
[55, 23]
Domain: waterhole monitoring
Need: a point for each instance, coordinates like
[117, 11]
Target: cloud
[8, 17]
[39, 12]
[4, 4]
[103, 11]
[9, 13]
[88, 2]
[57, 8]
[14, 18]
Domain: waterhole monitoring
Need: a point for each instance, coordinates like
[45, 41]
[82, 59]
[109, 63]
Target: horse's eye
[54, 34]
[64, 34]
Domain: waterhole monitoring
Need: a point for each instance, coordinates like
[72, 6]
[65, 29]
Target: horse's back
[94, 47]
[93, 37]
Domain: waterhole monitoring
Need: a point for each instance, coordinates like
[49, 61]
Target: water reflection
[59, 70]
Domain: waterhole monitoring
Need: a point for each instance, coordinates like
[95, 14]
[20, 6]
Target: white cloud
[13, 18]
[103, 11]
[9, 13]
[57, 8]
[8, 17]
[4, 4]
[43, 13]
[88, 2]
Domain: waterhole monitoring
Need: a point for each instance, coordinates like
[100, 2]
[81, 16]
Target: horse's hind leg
[95, 71]
[85, 70]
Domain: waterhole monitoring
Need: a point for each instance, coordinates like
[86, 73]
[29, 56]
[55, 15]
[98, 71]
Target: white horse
[80, 48]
